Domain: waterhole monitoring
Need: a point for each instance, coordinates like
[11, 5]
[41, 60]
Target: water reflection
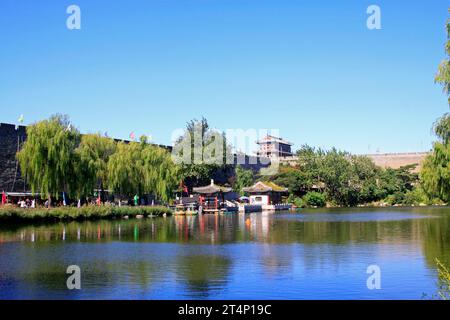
[229, 256]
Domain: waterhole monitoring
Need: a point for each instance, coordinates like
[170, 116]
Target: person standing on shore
[136, 199]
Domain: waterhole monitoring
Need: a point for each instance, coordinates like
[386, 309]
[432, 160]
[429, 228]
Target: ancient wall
[10, 139]
[397, 160]
[385, 160]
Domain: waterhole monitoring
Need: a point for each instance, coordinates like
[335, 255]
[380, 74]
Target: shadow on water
[209, 256]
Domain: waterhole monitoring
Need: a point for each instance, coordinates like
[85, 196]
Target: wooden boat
[181, 210]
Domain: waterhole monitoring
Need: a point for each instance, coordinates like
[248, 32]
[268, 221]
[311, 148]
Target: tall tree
[160, 174]
[200, 152]
[435, 173]
[139, 168]
[443, 73]
[47, 157]
[94, 152]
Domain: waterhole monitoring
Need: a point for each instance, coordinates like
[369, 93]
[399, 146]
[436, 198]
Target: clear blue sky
[308, 68]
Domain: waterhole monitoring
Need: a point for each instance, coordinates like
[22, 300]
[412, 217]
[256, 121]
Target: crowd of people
[32, 202]
[27, 203]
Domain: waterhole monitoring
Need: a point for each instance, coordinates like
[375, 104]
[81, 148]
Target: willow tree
[47, 157]
[94, 152]
[124, 169]
[160, 174]
[139, 168]
[435, 173]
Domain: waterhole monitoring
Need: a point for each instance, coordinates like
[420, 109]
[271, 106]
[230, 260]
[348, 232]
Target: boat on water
[183, 210]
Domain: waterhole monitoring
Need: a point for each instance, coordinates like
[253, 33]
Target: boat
[181, 210]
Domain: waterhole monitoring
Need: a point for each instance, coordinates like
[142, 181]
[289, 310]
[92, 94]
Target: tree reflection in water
[205, 253]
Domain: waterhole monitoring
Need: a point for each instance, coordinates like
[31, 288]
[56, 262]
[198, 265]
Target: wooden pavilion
[210, 196]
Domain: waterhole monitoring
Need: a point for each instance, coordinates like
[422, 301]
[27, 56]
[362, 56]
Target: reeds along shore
[82, 213]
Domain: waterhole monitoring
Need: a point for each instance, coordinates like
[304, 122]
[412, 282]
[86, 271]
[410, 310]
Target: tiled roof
[265, 186]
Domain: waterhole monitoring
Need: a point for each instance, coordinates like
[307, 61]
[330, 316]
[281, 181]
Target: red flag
[3, 198]
[183, 186]
[99, 201]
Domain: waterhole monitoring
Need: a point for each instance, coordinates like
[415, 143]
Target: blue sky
[311, 69]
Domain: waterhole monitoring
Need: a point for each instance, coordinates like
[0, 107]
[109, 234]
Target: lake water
[313, 254]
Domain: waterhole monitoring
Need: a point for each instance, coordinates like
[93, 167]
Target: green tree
[159, 173]
[125, 168]
[201, 151]
[443, 74]
[365, 176]
[341, 185]
[140, 168]
[244, 178]
[298, 182]
[94, 152]
[310, 163]
[435, 173]
[48, 159]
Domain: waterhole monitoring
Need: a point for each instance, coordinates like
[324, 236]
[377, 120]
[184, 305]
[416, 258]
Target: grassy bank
[83, 213]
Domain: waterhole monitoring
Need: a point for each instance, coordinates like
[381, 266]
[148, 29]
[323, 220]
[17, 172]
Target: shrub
[396, 198]
[83, 213]
[314, 199]
[415, 196]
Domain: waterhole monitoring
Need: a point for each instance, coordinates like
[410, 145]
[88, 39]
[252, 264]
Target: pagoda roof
[266, 186]
[211, 189]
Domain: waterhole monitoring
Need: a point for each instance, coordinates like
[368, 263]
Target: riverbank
[83, 213]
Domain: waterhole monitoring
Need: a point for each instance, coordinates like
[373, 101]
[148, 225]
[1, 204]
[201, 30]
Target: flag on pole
[20, 120]
[64, 198]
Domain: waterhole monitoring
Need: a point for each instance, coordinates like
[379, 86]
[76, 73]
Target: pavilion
[265, 193]
[210, 195]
